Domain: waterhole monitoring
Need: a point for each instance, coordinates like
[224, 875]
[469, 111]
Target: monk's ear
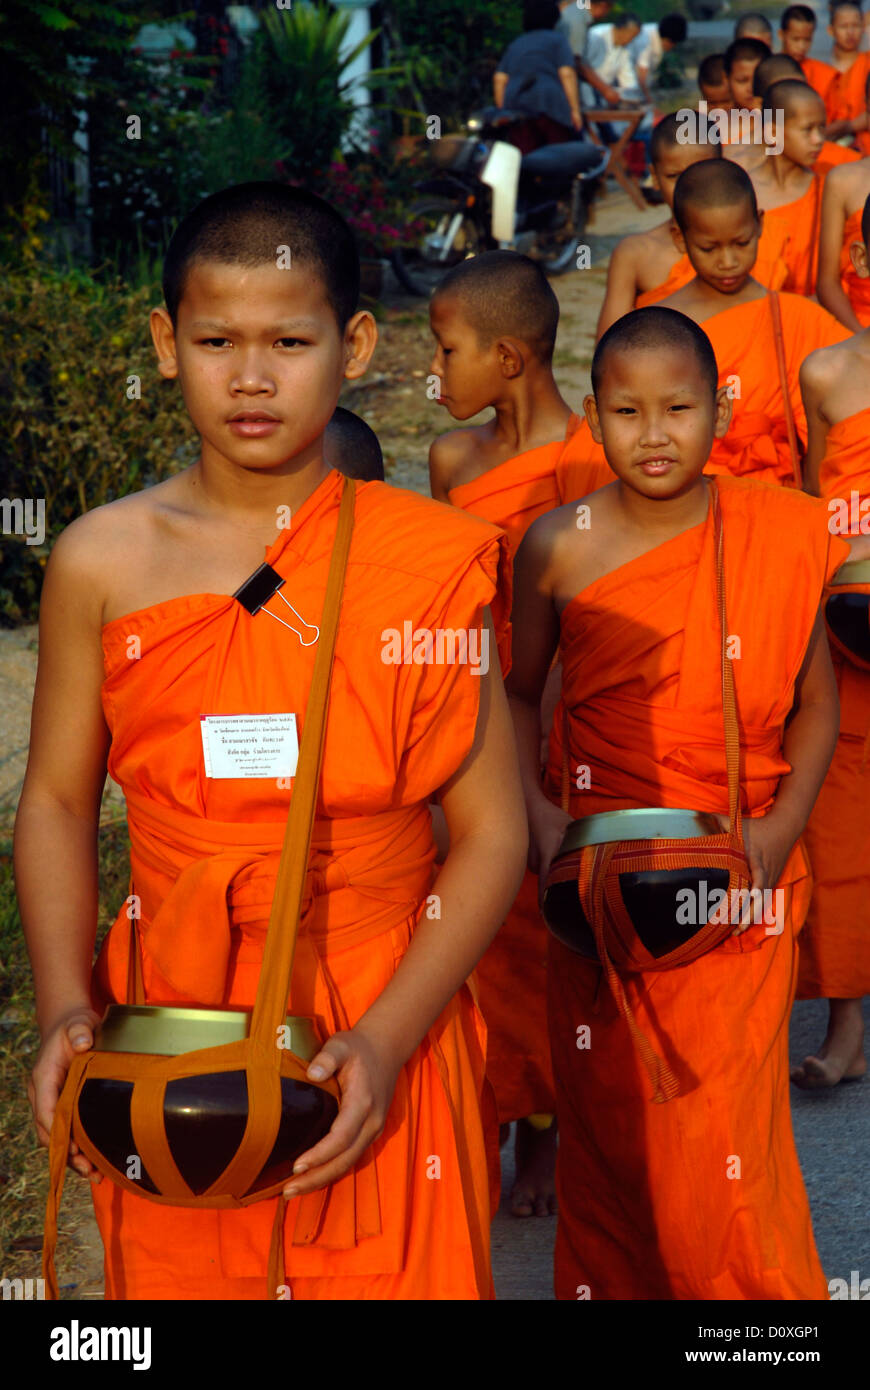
[163, 338]
[723, 413]
[511, 358]
[858, 255]
[360, 341]
[677, 238]
[590, 406]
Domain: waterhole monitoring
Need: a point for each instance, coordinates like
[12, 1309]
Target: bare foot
[841, 1055]
[534, 1190]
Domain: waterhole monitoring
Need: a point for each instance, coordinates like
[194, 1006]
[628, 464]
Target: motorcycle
[488, 194]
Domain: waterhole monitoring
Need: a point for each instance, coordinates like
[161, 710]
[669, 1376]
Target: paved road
[832, 1130]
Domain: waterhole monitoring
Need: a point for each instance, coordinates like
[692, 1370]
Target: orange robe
[845, 99]
[819, 75]
[770, 269]
[856, 288]
[756, 444]
[651, 1203]
[795, 226]
[835, 944]
[204, 856]
[512, 973]
[833, 154]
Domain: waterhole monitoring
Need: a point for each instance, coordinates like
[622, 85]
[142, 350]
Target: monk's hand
[547, 826]
[768, 841]
[73, 1032]
[859, 547]
[366, 1073]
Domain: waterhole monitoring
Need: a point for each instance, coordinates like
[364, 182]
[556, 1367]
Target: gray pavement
[832, 1130]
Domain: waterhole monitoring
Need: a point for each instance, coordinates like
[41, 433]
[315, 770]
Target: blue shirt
[532, 64]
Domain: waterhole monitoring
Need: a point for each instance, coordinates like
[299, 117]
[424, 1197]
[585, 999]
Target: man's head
[796, 31]
[846, 26]
[673, 29]
[540, 14]
[797, 112]
[670, 155]
[656, 404]
[713, 81]
[718, 223]
[741, 58]
[494, 317]
[351, 446]
[625, 28]
[261, 283]
[754, 26]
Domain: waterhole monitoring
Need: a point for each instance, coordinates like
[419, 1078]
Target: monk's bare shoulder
[847, 183]
[452, 457]
[567, 547]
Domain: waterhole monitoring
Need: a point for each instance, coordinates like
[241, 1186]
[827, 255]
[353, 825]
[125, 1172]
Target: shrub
[71, 432]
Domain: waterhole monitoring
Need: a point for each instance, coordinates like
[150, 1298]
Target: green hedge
[73, 432]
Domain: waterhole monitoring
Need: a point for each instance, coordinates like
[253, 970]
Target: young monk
[740, 59]
[835, 943]
[646, 266]
[754, 26]
[797, 30]
[260, 354]
[843, 281]
[713, 81]
[700, 1197]
[788, 190]
[844, 99]
[719, 226]
[777, 68]
[351, 446]
[494, 319]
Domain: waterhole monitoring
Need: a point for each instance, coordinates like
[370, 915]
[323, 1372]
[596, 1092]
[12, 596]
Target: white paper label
[249, 745]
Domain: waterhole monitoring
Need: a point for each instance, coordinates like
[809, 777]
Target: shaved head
[652, 330]
[754, 26]
[664, 138]
[503, 294]
[744, 51]
[714, 183]
[790, 96]
[776, 68]
[248, 225]
[351, 446]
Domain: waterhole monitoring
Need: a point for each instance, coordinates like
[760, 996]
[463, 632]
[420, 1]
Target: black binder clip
[255, 593]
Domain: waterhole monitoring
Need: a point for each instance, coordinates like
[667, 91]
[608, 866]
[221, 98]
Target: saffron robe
[756, 445]
[204, 855]
[819, 75]
[844, 99]
[795, 226]
[833, 154]
[835, 944]
[700, 1197]
[854, 287]
[512, 973]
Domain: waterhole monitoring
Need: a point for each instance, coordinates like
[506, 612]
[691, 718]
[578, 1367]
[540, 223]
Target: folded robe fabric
[795, 228]
[855, 287]
[835, 943]
[204, 854]
[756, 445]
[844, 99]
[832, 155]
[512, 973]
[819, 75]
[700, 1197]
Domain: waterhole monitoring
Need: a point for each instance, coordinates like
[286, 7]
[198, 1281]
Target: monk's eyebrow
[285, 326]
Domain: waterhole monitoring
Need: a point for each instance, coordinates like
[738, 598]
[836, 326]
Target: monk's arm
[829, 289]
[813, 383]
[499, 83]
[535, 624]
[475, 887]
[439, 470]
[808, 746]
[621, 289]
[58, 819]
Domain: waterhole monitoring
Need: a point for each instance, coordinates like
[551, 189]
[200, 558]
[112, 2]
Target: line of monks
[783, 215]
[605, 528]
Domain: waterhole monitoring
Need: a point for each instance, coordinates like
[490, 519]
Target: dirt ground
[392, 398]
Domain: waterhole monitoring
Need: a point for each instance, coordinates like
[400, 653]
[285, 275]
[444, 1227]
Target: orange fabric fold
[835, 943]
[794, 227]
[756, 445]
[204, 855]
[649, 1202]
[819, 75]
[833, 155]
[771, 268]
[844, 98]
[855, 286]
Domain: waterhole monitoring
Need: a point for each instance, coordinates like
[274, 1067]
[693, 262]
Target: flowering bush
[373, 193]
